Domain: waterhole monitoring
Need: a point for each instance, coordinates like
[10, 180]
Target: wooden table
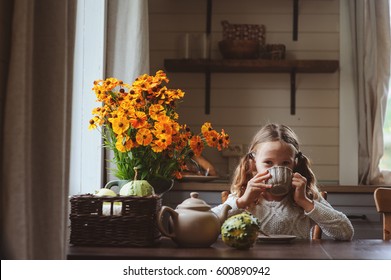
[360, 249]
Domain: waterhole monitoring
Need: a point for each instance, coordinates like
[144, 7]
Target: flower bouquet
[140, 125]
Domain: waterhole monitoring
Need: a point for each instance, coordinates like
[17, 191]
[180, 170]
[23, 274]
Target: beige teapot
[193, 223]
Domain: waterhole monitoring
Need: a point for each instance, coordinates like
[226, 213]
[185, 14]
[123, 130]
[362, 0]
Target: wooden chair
[224, 196]
[316, 232]
[382, 198]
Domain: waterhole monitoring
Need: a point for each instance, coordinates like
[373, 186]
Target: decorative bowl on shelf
[239, 49]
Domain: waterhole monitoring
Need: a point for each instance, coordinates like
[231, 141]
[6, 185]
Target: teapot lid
[194, 203]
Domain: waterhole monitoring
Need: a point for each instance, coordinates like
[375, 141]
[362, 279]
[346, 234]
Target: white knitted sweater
[283, 217]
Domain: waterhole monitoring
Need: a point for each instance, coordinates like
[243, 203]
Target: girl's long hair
[270, 133]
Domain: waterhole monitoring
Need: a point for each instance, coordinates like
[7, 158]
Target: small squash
[137, 187]
[240, 231]
[105, 192]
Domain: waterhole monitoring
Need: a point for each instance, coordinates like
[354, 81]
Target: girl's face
[276, 153]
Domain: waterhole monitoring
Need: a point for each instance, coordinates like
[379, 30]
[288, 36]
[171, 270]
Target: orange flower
[120, 124]
[93, 123]
[126, 104]
[156, 110]
[181, 141]
[162, 128]
[177, 94]
[196, 145]
[163, 141]
[206, 127]
[223, 141]
[141, 126]
[175, 127]
[124, 144]
[97, 111]
[144, 137]
[178, 175]
[161, 94]
[138, 101]
[161, 76]
[212, 138]
[139, 119]
[187, 131]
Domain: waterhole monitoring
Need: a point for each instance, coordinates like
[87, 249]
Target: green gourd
[240, 231]
[137, 187]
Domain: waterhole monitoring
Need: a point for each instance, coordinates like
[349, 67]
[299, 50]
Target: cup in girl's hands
[281, 180]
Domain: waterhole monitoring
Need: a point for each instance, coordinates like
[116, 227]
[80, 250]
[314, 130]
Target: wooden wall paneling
[228, 97]
[276, 6]
[281, 23]
[308, 136]
[254, 116]
[326, 173]
[241, 103]
[177, 6]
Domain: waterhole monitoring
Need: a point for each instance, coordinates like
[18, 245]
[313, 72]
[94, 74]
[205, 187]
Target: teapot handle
[173, 215]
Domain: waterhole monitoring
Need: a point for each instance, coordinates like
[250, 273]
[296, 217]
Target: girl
[294, 213]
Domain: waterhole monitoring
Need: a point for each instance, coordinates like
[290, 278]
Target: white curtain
[371, 37]
[127, 39]
[127, 43]
[36, 58]
[36, 67]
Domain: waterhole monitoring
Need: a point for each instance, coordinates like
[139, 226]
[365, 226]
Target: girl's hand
[299, 183]
[255, 187]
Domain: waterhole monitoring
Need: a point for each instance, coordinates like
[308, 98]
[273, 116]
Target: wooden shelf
[250, 65]
[208, 66]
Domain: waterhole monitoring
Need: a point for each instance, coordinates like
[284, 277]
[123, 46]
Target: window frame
[86, 164]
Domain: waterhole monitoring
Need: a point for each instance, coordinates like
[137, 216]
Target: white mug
[281, 180]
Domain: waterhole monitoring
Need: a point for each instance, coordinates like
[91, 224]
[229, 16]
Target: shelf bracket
[295, 19]
[207, 92]
[293, 91]
[207, 72]
[209, 17]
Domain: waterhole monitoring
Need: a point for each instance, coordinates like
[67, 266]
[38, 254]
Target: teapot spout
[224, 213]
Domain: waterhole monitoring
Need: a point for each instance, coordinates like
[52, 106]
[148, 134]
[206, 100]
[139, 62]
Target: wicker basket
[273, 51]
[134, 225]
[243, 32]
[239, 49]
